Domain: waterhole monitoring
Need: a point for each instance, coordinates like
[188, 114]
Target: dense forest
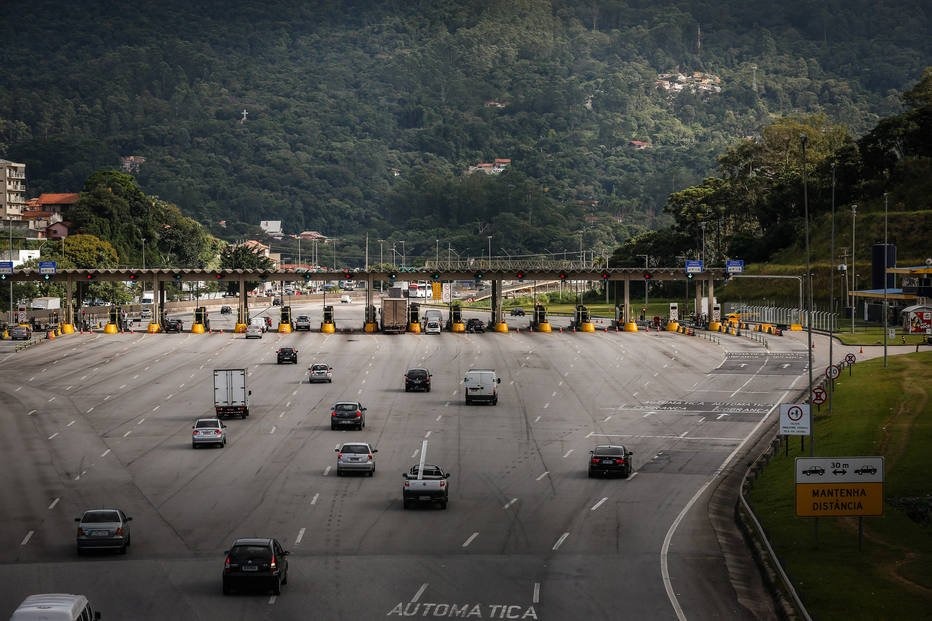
[354, 117]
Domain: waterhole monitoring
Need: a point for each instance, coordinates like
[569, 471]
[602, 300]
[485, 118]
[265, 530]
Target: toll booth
[581, 315]
[286, 315]
[539, 315]
[414, 313]
[674, 311]
[200, 317]
[371, 315]
[328, 314]
[116, 316]
[456, 314]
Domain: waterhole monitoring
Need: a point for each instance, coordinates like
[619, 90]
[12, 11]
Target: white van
[55, 607]
[481, 385]
[433, 314]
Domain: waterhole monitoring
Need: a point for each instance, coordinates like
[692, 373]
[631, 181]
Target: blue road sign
[693, 266]
[734, 266]
[47, 267]
[6, 267]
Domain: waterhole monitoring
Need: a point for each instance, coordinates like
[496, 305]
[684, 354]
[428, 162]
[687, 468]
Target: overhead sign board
[795, 419]
[839, 486]
[6, 267]
[734, 266]
[47, 267]
[693, 266]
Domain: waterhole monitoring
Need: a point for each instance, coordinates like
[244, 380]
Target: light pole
[885, 257]
[854, 270]
[437, 260]
[490, 252]
[804, 139]
[11, 280]
[403, 257]
[143, 253]
[831, 292]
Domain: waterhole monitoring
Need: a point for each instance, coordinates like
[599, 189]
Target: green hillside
[363, 117]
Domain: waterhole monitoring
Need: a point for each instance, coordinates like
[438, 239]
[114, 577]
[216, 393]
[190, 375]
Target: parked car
[253, 331]
[287, 354]
[209, 431]
[303, 322]
[20, 333]
[610, 459]
[226, 310]
[517, 312]
[475, 325]
[255, 562]
[173, 325]
[103, 529]
[356, 457]
[417, 379]
[319, 372]
[348, 414]
[276, 301]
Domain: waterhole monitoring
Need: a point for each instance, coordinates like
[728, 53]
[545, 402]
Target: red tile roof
[59, 199]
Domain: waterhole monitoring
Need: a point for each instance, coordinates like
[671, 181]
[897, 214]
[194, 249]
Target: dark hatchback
[260, 563]
[475, 325]
[348, 414]
[173, 325]
[287, 355]
[610, 459]
[417, 379]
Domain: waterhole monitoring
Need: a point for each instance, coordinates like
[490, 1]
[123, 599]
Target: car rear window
[205, 424]
[417, 374]
[609, 450]
[99, 517]
[346, 407]
[243, 553]
[355, 448]
[319, 367]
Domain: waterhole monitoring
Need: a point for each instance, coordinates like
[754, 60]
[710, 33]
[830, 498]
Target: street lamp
[804, 139]
[854, 271]
[490, 252]
[646, 282]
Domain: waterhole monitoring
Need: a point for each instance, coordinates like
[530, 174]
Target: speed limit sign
[832, 371]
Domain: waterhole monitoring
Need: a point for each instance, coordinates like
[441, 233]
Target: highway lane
[526, 535]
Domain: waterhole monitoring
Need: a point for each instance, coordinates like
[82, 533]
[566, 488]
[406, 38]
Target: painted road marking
[54, 502]
[560, 540]
[546, 472]
[509, 503]
[598, 504]
[53, 435]
[299, 537]
[326, 470]
[470, 539]
[420, 592]
[314, 499]
[27, 538]
[567, 454]
[70, 424]
[536, 598]
[105, 453]
[537, 419]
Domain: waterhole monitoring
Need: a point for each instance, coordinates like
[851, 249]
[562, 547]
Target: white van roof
[50, 607]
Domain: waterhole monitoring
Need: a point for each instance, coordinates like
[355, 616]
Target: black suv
[417, 379]
[173, 325]
[287, 354]
[258, 562]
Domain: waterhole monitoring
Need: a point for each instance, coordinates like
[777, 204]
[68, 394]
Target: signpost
[832, 371]
[47, 267]
[693, 266]
[850, 359]
[6, 267]
[734, 266]
[818, 395]
[839, 486]
[795, 419]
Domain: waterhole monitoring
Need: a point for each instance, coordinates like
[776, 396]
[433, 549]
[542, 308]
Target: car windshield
[417, 373]
[346, 407]
[100, 517]
[206, 424]
[355, 448]
[609, 450]
[303, 318]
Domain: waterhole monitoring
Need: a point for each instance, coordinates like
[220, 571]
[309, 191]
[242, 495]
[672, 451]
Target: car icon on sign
[814, 470]
[866, 470]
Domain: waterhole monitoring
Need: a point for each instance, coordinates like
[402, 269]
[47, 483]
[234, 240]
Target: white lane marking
[127, 433]
[648, 414]
[546, 472]
[272, 599]
[299, 537]
[53, 435]
[107, 397]
[27, 538]
[536, 598]
[702, 419]
[141, 420]
[90, 409]
[567, 454]
[470, 539]
[560, 383]
[70, 424]
[314, 499]
[537, 419]
[51, 399]
[326, 470]
[282, 415]
[546, 405]
[170, 396]
[634, 394]
[560, 540]
[414, 454]
[31, 412]
[427, 435]
[683, 435]
[598, 504]
[553, 394]
[272, 430]
[105, 453]
[68, 387]
[181, 385]
[439, 417]
[122, 386]
[156, 408]
[136, 376]
[54, 502]
[420, 592]
[607, 418]
[509, 503]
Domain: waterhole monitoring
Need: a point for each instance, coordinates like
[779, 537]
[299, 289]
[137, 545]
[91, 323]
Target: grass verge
[878, 411]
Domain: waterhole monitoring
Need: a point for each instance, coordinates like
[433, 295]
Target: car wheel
[443, 504]
[333, 427]
[405, 504]
[590, 473]
[329, 381]
[194, 445]
[495, 400]
[285, 577]
[123, 549]
[428, 389]
[339, 472]
[277, 586]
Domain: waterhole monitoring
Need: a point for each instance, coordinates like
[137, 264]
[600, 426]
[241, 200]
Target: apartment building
[13, 196]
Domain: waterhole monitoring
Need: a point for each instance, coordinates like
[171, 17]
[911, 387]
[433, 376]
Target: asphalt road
[92, 420]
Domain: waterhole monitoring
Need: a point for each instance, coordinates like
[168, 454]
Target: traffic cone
[862, 349]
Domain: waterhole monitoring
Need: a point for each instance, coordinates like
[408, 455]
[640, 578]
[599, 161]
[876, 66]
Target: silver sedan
[209, 431]
[103, 529]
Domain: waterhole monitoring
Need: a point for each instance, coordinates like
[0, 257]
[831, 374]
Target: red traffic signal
[647, 276]
[562, 275]
[605, 275]
[218, 276]
[520, 275]
[89, 276]
[134, 276]
[347, 275]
